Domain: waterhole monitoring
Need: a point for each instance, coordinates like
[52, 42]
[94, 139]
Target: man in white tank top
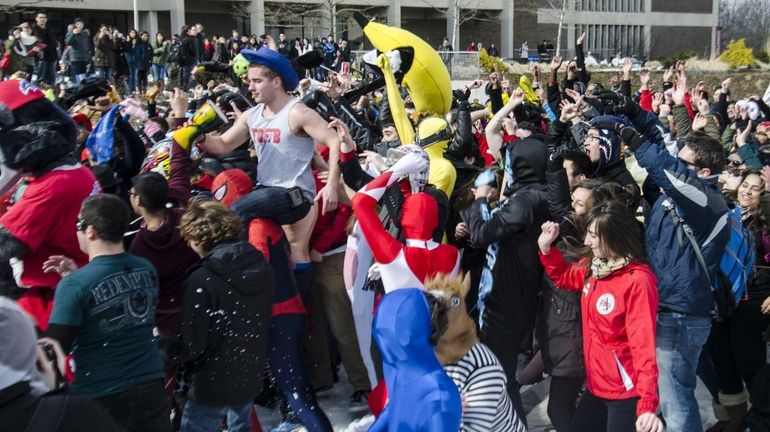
[283, 130]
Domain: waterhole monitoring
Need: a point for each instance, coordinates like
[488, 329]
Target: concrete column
[257, 17]
[177, 16]
[394, 13]
[152, 24]
[453, 24]
[506, 29]
[714, 24]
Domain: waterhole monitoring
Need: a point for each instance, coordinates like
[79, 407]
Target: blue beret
[276, 62]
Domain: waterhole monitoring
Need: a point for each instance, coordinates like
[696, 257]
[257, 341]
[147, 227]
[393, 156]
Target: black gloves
[556, 159]
[629, 135]
[615, 103]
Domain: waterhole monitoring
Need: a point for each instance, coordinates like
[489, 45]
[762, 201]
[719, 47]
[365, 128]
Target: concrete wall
[691, 6]
[664, 43]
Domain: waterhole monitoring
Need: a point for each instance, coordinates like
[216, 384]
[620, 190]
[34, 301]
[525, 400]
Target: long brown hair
[601, 193]
[620, 233]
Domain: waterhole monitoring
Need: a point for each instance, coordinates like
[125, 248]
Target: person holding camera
[77, 39]
[27, 371]
[104, 53]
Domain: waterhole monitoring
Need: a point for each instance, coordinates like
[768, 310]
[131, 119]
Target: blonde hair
[210, 223]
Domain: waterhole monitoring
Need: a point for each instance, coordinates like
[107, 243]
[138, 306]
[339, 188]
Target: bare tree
[746, 19]
[20, 6]
[463, 11]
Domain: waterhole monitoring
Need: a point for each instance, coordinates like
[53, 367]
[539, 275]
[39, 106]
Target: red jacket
[619, 313]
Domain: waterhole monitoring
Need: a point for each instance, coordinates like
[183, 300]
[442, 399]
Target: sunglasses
[81, 225]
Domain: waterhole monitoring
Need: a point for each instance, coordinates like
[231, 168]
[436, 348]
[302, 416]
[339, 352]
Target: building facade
[633, 27]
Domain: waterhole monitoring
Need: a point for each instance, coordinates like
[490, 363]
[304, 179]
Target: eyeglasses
[81, 225]
[690, 165]
[734, 163]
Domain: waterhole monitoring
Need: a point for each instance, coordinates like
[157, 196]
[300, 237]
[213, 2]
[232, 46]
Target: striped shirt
[480, 379]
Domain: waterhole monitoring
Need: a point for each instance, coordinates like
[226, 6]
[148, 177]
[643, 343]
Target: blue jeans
[104, 72]
[133, 73]
[679, 341]
[270, 202]
[158, 72]
[78, 69]
[204, 418]
[46, 71]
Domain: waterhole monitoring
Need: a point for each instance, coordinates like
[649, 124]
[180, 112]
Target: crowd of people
[169, 259]
[130, 59]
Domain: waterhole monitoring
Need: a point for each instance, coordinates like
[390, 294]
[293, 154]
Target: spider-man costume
[404, 265]
[287, 322]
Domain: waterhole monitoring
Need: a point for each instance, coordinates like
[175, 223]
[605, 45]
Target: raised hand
[742, 138]
[549, 231]
[556, 62]
[179, 103]
[668, 74]
[581, 39]
[627, 65]
[680, 89]
[657, 100]
[568, 112]
[517, 97]
[644, 77]
[699, 122]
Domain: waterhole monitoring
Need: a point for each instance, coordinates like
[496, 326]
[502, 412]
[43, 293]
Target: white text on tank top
[283, 158]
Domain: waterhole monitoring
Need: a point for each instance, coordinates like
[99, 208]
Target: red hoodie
[619, 313]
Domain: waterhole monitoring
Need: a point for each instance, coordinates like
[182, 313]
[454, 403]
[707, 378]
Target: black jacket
[517, 275]
[18, 405]
[48, 37]
[225, 321]
[188, 51]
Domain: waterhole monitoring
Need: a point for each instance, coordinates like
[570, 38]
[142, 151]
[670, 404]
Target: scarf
[602, 267]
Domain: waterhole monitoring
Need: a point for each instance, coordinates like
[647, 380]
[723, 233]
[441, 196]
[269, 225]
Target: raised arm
[304, 120]
[495, 126]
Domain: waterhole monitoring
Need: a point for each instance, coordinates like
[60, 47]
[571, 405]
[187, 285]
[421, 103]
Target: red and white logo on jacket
[605, 304]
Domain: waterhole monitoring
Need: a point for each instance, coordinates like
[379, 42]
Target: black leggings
[562, 401]
[288, 368]
[736, 346]
[596, 415]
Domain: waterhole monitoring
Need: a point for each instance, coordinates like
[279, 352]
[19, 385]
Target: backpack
[737, 262]
[174, 55]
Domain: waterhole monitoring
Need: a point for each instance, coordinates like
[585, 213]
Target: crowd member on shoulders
[285, 195]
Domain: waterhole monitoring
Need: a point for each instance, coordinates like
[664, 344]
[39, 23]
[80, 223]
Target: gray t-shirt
[283, 158]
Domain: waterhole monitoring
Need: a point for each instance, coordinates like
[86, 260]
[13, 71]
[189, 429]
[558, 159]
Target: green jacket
[684, 125]
[160, 54]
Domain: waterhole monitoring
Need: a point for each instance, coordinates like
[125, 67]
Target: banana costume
[418, 68]
[405, 59]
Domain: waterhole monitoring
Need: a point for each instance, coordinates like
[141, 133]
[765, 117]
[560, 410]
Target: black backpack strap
[49, 413]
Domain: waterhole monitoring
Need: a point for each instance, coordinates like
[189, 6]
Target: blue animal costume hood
[421, 397]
